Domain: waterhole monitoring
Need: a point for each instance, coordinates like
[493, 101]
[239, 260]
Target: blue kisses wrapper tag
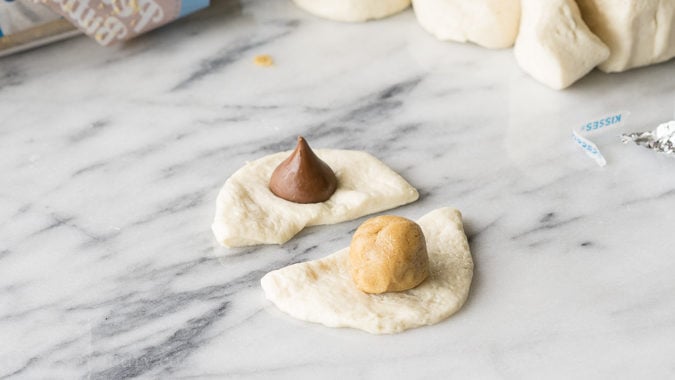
[580, 134]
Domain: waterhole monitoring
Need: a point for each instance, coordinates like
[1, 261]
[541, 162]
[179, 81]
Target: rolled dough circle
[322, 291]
[248, 213]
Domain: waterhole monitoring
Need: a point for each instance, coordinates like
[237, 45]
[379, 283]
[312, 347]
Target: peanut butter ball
[388, 254]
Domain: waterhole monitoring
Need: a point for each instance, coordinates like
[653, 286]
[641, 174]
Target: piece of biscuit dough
[353, 10]
[248, 213]
[638, 32]
[554, 45]
[489, 23]
[322, 291]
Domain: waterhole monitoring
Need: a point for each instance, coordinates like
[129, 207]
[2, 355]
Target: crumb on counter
[263, 60]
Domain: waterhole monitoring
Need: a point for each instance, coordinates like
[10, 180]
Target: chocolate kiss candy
[303, 177]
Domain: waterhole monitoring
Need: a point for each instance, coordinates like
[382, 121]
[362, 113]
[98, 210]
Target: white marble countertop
[112, 159]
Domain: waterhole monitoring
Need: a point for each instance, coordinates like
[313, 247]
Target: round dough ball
[353, 10]
[388, 254]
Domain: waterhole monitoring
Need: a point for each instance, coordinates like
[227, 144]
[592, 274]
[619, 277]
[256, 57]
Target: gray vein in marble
[4, 253]
[38, 358]
[32, 361]
[547, 222]
[232, 54]
[173, 350]
[11, 77]
[362, 111]
[657, 197]
[91, 130]
[380, 104]
[473, 233]
[58, 221]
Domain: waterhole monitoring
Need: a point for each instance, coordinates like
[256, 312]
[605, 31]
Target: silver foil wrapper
[661, 140]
